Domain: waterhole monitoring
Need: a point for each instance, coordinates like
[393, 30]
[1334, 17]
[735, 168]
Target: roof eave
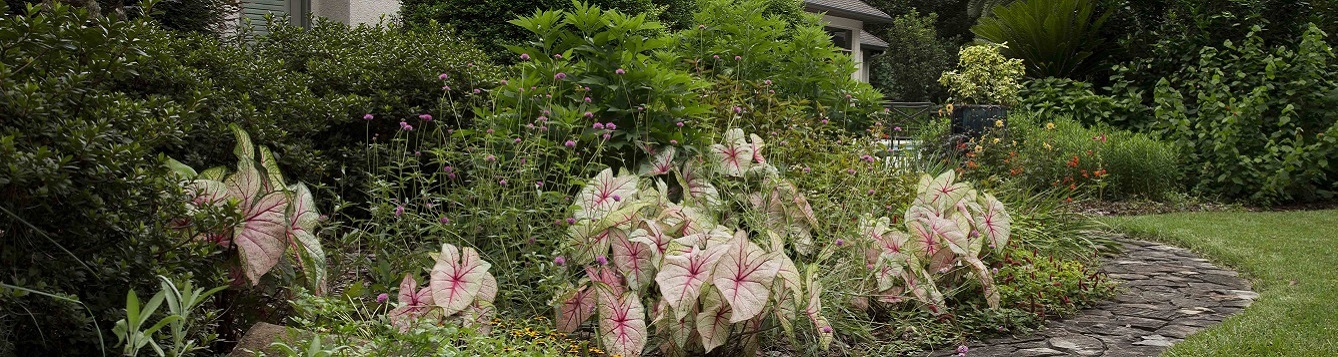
[836, 12]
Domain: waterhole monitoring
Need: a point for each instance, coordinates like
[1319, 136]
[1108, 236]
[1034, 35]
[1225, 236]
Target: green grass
[1292, 259]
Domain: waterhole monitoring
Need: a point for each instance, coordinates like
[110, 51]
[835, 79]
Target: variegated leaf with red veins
[948, 231]
[921, 286]
[884, 238]
[661, 163]
[986, 280]
[622, 325]
[244, 151]
[680, 329]
[789, 278]
[577, 307]
[713, 321]
[994, 223]
[717, 236]
[590, 243]
[205, 193]
[734, 155]
[923, 243]
[604, 194]
[413, 304]
[814, 308]
[889, 269]
[273, 177]
[681, 277]
[634, 261]
[756, 145]
[940, 193]
[687, 220]
[697, 187]
[304, 246]
[610, 284]
[457, 278]
[744, 275]
[649, 234]
[262, 234]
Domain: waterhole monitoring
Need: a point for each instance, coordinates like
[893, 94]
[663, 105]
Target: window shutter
[255, 10]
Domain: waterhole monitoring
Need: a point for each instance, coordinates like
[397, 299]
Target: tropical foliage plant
[949, 224]
[459, 287]
[1053, 38]
[985, 77]
[276, 220]
[687, 254]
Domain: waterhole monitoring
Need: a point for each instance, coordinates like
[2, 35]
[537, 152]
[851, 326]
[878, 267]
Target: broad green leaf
[744, 276]
[304, 246]
[713, 322]
[622, 325]
[457, 278]
[273, 177]
[244, 151]
[682, 276]
[181, 170]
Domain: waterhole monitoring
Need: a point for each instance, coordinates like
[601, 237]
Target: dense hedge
[92, 106]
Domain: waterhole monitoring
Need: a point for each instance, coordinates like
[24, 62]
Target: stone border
[1166, 293]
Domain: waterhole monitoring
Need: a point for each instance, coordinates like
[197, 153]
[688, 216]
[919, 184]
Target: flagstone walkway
[1166, 293]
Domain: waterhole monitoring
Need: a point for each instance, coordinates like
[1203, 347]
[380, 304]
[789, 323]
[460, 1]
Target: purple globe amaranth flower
[738, 58]
[607, 136]
[589, 115]
[826, 329]
[617, 198]
[502, 182]
[443, 76]
[399, 210]
[560, 75]
[598, 125]
[620, 71]
[489, 158]
[602, 260]
[517, 140]
[767, 82]
[489, 131]
[570, 144]
[446, 88]
[448, 169]
[425, 117]
[541, 119]
[896, 128]
[738, 110]
[504, 82]
[871, 192]
[524, 57]
[382, 298]
[961, 350]
[716, 56]
[539, 184]
[444, 220]
[679, 124]
[587, 99]
[571, 220]
[543, 128]
[840, 242]
[824, 121]
[557, 55]
[701, 27]
[673, 142]
[559, 260]
[478, 91]
[611, 126]
[368, 117]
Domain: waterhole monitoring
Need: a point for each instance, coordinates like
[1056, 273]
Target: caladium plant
[277, 220]
[702, 277]
[460, 289]
[948, 225]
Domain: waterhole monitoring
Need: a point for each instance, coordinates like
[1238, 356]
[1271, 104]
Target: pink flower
[448, 169]
[504, 82]
[738, 110]
[871, 192]
[405, 126]
[478, 91]
[502, 182]
[541, 119]
[738, 58]
[399, 210]
[896, 128]
[602, 260]
[559, 260]
[489, 158]
[824, 121]
[961, 350]
[517, 140]
[489, 131]
[620, 71]
[851, 171]
[443, 76]
[524, 57]
[589, 115]
[587, 99]
[673, 142]
[611, 126]
[607, 136]
[368, 117]
[617, 198]
[716, 57]
[560, 75]
[767, 82]
[840, 242]
[826, 329]
[557, 55]
[701, 27]
[679, 124]
[381, 299]
[571, 220]
[444, 220]
[425, 117]
[598, 125]
[539, 184]
[570, 144]
[446, 88]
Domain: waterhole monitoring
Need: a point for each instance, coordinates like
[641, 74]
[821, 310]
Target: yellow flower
[1049, 126]
[998, 123]
[980, 148]
[949, 108]
[996, 140]
[1048, 147]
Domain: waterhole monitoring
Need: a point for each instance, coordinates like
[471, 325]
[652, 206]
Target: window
[841, 37]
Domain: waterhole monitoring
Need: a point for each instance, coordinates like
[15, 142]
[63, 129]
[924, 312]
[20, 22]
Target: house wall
[355, 12]
[856, 27]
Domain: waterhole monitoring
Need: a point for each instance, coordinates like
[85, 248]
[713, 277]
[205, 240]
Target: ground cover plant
[1286, 255]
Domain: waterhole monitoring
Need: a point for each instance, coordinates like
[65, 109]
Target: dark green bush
[1054, 97]
[1257, 122]
[1055, 38]
[908, 71]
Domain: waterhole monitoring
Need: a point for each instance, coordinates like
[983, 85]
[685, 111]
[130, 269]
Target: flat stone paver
[1166, 294]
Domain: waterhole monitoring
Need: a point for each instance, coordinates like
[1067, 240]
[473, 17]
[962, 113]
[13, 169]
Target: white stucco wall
[354, 12]
[856, 27]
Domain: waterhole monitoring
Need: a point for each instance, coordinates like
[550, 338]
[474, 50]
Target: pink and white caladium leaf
[717, 236]
[940, 193]
[697, 186]
[622, 324]
[607, 282]
[590, 243]
[576, 307]
[457, 278]
[814, 308]
[744, 275]
[994, 223]
[262, 234]
[217, 173]
[245, 152]
[661, 163]
[734, 155]
[650, 234]
[687, 220]
[634, 261]
[889, 269]
[683, 275]
[950, 232]
[413, 303]
[921, 286]
[273, 177]
[982, 273]
[713, 321]
[604, 194]
[680, 329]
[304, 246]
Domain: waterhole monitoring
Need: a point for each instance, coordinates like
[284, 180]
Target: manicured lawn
[1291, 257]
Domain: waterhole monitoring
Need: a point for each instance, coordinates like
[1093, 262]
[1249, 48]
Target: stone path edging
[1166, 293]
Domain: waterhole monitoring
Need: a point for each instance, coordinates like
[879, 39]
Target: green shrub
[746, 41]
[909, 69]
[986, 77]
[1258, 122]
[1055, 38]
[1060, 97]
